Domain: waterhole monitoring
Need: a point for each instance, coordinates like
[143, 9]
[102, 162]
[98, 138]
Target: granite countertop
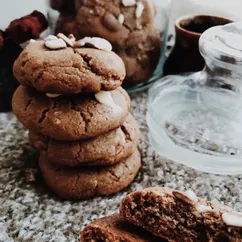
[30, 212]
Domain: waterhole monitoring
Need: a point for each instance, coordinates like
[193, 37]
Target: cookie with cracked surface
[114, 229]
[85, 183]
[113, 20]
[68, 70]
[173, 215]
[107, 149]
[69, 118]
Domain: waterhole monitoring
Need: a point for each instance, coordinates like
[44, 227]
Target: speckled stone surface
[32, 213]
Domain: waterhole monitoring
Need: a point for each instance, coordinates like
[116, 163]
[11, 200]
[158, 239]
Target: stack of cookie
[78, 116]
[168, 214]
[130, 26]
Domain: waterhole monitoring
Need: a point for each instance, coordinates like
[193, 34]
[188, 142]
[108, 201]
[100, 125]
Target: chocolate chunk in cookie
[84, 183]
[70, 118]
[107, 149]
[115, 229]
[68, 70]
[173, 215]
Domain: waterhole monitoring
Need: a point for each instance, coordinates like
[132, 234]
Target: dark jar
[185, 56]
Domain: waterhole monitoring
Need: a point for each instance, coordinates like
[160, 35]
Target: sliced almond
[188, 197]
[139, 9]
[96, 42]
[79, 43]
[121, 18]
[72, 37]
[111, 22]
[203, 208]
[51, 37]
[52, 95]
[107, 99]
[68, 41]
[128, 3]
[191, 195]
[55, 44]
[232, 219]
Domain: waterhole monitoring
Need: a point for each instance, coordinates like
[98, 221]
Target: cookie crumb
[128, 3]
[139, 9]
[57, 121]
[121, 18]
[31, 175]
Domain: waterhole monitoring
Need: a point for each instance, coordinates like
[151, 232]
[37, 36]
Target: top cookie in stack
[71, 101]
[128, 24]
[71, 70]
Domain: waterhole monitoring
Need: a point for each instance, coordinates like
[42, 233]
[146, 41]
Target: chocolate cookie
[114, 229]
[106, 149]
[141, 54]
[66, 24]
[84, 183]
[68, 70]
[69, 118]
[113, 20]
[173, 215]
[63, 5]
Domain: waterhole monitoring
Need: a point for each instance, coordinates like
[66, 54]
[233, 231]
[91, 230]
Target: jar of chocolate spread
[137, 30]
[196, 119]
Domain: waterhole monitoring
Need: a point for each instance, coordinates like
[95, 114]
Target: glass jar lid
[196, 119]
[223, 43]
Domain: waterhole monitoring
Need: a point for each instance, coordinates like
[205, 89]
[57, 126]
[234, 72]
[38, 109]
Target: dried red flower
[27, 27]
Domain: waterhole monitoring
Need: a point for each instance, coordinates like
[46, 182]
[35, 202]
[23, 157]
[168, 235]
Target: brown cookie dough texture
[141, 55]
[66, 24]
[101, 18]
[69, 70]
[69, 118]
[115, 229]
[136, 40]
[173, 215]
[107, 149]
[84, 183]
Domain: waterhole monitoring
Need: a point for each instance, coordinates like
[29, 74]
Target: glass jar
[196, 119]
[19, 22]
[137, 32]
